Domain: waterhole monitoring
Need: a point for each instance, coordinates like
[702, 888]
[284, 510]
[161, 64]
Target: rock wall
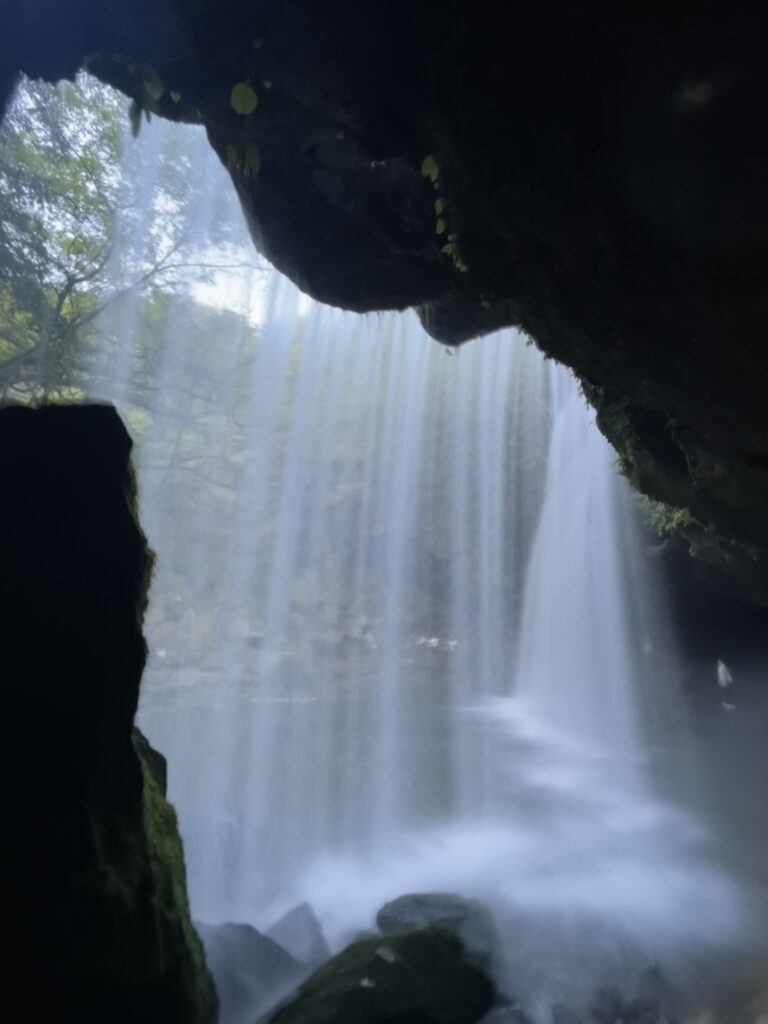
[99, 924]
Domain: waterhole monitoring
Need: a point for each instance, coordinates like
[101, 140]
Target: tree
[88, 219]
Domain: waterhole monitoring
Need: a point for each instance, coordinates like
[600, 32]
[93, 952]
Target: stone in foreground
[416, 977]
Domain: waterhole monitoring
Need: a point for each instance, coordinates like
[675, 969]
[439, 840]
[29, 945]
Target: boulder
[417, 977]
[250, 970]
[467, 918]
[299, 933]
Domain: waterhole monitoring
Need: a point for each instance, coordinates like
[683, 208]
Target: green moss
[182, 967]
[665, 520]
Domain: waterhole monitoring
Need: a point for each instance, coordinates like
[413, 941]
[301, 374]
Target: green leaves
[153, 88]
[440, 205]
[175, 95]
[429, 168]
[243, 98]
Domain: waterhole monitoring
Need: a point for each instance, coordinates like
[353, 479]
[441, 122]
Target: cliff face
[100, 923]
[593, 174]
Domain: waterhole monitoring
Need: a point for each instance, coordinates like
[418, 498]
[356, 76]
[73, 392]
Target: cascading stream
[438, 680]
[576, 669]
[404, 637]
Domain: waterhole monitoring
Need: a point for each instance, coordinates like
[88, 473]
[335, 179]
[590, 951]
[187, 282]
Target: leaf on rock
[153, 87]
[243, 98]
[429, 168]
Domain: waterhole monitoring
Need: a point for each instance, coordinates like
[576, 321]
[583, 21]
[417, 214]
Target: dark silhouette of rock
[99, 910]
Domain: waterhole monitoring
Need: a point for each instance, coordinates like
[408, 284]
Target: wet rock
[299, 933]
[250, 970]
[417, 977]
[152, 759]
[99, 910]
[467, 918]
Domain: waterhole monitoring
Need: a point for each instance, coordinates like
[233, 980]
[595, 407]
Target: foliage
[84, 225]
[243, 98]
[58, 193]
[664, 520]
[430, 169]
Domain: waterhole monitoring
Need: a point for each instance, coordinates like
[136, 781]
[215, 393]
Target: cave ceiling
[593, 174]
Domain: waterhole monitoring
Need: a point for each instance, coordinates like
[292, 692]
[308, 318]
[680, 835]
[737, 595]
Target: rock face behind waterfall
[99, 915]
[417, 977]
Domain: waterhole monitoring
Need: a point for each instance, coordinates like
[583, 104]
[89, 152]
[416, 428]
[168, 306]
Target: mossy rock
[183, 976]
[416, 977]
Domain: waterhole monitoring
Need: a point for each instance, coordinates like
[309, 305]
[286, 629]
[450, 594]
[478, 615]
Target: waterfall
[367, 606]
[576, 653]
[427, 668]
[577, 675]
[403, 632]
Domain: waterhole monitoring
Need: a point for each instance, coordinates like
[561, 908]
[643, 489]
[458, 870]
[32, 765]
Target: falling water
[577, 654]
[403, 636]
[426, 672]
[367, 607]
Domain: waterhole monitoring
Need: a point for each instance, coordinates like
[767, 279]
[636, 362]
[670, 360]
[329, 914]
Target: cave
[425, 343]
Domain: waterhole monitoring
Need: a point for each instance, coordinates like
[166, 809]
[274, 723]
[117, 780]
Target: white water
[427, 672]
[403, 638]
